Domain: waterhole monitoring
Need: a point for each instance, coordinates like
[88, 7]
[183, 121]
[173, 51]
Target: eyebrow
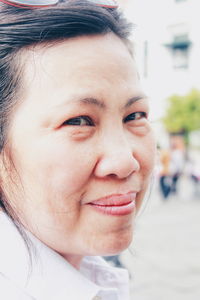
[92, 101]
[101, 104]
[134, 99]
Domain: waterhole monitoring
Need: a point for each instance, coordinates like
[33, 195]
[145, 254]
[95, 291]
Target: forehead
[77, 52]
[77, 65]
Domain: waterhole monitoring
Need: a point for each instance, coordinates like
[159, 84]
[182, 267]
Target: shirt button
[97, 298]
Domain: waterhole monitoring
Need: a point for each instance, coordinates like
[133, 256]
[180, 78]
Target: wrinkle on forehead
[41, 55]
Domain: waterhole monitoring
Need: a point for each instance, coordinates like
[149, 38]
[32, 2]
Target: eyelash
[85, 118]
[131, 117]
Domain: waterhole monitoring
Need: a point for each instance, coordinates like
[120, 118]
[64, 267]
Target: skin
[62, 164]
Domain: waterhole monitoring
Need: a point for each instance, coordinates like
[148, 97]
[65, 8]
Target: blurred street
[164, 258]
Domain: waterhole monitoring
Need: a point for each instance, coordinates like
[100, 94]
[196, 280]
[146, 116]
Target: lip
[115, 204]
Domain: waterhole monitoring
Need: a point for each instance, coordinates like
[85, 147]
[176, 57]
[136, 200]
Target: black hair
[21, 28]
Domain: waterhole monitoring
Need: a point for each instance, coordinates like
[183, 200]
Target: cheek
[147, 155]
[53, 167]
[64, 169]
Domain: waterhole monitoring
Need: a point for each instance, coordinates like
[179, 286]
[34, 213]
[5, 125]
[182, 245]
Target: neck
[74, 260]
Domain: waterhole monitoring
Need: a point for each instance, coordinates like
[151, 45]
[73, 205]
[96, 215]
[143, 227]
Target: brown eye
[79, 121]
[136, 116]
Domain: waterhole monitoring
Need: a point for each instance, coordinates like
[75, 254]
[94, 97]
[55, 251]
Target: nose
[117, 159]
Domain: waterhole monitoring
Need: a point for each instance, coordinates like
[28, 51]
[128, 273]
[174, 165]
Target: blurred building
[167, 46]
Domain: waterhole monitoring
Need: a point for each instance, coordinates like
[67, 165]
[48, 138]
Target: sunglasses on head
[46, 3]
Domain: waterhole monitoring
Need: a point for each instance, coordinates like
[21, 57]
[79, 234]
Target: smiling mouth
[115, 204]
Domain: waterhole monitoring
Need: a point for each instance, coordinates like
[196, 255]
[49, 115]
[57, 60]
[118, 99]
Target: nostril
[118, 175]
[112, 175]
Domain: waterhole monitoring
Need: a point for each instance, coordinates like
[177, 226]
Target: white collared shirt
[51, 277]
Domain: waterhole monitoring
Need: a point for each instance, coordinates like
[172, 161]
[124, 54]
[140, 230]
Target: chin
[114, 245]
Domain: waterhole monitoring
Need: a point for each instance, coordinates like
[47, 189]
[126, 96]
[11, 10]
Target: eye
[136, 116]
[79, 121]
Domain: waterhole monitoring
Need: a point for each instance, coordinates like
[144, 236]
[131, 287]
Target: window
[180, 50]
[180, 58]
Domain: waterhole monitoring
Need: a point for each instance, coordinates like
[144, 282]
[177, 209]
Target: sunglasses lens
[105, 3]
[33, 2]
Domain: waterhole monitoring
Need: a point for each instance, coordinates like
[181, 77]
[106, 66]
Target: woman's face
[79, 134]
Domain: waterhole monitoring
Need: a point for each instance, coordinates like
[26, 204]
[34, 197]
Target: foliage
[183, 113]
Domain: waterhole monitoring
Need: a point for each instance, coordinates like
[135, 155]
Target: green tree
[183, 113]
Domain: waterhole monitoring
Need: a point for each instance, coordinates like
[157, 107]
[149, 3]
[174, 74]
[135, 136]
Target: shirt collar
[50, 276]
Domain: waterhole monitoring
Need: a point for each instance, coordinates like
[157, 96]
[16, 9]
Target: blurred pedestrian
[193, 171]
[195, 176]
[177, 162]
[165, 179]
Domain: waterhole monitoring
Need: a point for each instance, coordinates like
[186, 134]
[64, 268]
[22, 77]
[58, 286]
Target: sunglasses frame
[20, 5]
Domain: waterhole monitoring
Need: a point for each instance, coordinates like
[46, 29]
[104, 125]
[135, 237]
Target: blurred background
[164, 258]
